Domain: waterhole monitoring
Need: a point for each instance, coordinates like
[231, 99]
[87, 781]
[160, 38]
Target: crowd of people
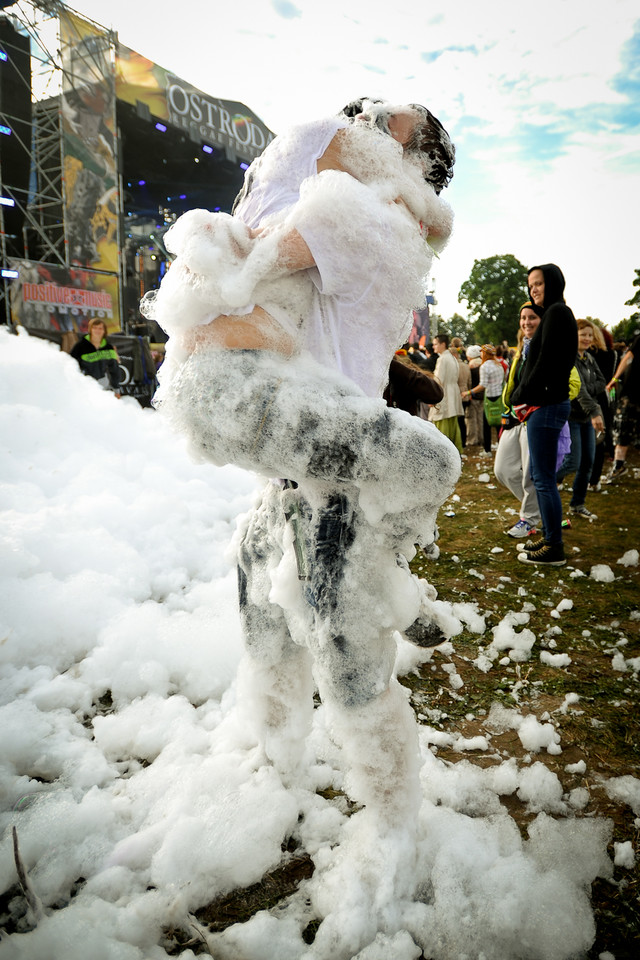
[553, 408]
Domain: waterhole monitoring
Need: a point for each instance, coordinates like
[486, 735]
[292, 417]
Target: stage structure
[100, 151]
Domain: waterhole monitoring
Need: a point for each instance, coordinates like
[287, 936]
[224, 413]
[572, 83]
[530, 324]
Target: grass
[603, 727]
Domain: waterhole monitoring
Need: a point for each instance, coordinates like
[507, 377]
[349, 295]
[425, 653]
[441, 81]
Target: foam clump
[506, 637]
[630, 558]
[126, 759]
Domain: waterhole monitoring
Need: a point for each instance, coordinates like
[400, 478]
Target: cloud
[432, 55]
[285, 9]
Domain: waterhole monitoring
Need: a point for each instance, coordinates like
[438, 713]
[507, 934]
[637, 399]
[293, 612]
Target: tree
[461, 327]
[628, 329]
[495, 291]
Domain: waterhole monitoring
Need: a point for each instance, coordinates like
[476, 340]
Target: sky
[542, 104]
[116, 574]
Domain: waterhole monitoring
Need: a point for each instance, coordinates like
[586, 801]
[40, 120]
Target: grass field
[600, 633]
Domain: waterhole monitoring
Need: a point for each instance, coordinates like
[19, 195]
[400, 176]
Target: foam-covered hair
[430, 143]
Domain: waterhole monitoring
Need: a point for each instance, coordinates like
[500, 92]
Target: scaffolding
[42, 206]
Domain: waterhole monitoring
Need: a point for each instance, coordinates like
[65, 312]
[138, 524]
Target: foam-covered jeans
[543, 430]
[367, 480]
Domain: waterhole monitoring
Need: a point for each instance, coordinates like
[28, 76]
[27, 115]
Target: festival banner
[226, 124]
[45, 296]
[89, 144]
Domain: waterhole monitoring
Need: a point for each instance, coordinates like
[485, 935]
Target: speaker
[15, 119]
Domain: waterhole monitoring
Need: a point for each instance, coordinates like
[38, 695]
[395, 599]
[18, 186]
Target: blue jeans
[579, 460]
[543, 429]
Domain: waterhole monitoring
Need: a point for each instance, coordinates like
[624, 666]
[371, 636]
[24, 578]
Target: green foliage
[458, 326]
[629, 328]
[495, 291]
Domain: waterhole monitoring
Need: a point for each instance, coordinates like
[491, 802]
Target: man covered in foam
[283, 319]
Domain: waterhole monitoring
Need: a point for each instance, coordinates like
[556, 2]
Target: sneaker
[582, 511]
[521, 529]
[550, 554]
[533, 545]
[595, 487]
[619, 467]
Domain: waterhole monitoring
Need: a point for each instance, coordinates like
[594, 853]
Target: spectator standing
[626, 420]
[503, 358]
[542, 398]
[473, 410]
[432, 357]
[464, 384]
[584, 420]
[607, 359]
[490, 387]
[511, 465]
[97, 357]
[445, 414]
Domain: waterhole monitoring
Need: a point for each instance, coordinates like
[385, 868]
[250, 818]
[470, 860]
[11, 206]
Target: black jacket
[98, 363]
[592, 384]
[553, 348]
[408, 384]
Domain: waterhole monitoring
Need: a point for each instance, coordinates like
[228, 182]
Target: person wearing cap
[511, 465]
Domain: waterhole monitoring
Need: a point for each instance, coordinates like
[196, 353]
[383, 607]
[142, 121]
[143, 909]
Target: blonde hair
[598, 338]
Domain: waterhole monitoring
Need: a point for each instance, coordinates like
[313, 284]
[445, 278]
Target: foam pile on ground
[124, 760]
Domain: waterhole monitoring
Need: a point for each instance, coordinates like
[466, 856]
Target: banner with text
[226, 124]
[45, 296]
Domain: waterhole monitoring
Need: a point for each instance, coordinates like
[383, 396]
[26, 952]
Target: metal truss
[43, 205]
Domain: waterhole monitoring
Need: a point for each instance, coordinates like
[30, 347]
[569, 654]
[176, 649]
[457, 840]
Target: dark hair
[442, 338]
[554, 282]
[433, 146]
[430, 143]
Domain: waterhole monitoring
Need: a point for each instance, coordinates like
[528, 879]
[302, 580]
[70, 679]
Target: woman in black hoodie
[544, 387]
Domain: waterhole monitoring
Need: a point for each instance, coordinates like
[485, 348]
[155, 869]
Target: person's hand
[598, 424]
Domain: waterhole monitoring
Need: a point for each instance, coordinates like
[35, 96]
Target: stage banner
[226, 124]
[46, 296]
[89, 143]
[421, 330]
